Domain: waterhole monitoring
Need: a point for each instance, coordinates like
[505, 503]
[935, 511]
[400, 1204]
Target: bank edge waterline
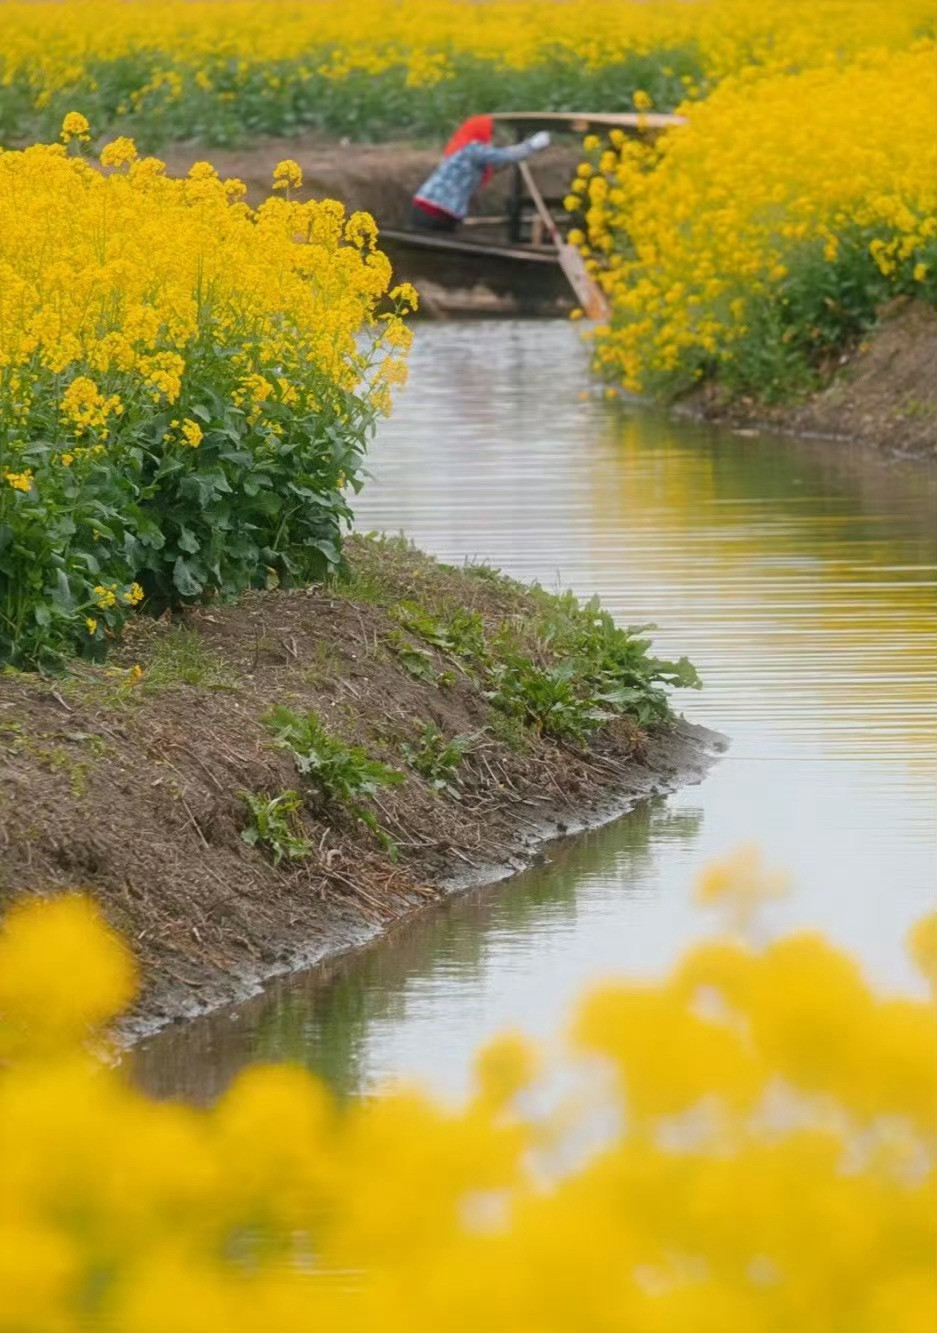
[250, 787]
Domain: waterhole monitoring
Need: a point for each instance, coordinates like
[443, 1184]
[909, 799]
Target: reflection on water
[799, 579]
[334, 1018]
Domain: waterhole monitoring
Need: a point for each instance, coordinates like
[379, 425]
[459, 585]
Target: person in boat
[471, 159]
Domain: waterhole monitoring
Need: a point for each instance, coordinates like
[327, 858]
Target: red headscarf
[477, 129]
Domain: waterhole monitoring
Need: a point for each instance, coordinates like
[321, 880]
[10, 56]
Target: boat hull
[457, 275]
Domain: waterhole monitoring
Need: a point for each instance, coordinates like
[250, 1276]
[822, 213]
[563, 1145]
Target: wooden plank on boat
[588, 293]
[428, 240]
[632, 123]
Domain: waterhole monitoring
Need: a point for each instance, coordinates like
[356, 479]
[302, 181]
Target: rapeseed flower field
[757, 242]
[224, 69]
[767, 1161]
[185, 391]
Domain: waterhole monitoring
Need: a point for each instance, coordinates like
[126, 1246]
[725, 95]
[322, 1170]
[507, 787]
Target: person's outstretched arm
[486, 155]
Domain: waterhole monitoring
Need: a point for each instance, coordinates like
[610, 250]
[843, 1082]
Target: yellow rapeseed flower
[119, 153]
[106, 596]
[62, 972]
[192, 433]
[724, 209]
[75, 126]
[287, 175]
[20, 481]
[767, 1146]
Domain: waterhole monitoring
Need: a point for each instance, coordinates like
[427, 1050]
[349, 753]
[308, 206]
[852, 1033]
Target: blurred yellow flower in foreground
[923, 945]
[740, 885]
[62, 973]
[767, 1162]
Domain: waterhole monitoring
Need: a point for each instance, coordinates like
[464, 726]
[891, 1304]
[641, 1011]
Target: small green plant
[182, 657]
[343, 774]
[461, 637]
[548, 699]
[437, 759]
[612, 664]
[479, 569]
[416, 661]
[272, 824]
[510, 731]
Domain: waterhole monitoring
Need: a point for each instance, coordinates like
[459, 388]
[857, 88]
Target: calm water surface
[799, 579]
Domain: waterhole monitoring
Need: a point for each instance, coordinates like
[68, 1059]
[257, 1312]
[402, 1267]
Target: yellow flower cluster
[76, 126]
[287, 175]
[20, 481]
[765, 1162]
[134, 310]
[762, 219]
[370, 36]
[147, 263]
[265, 56]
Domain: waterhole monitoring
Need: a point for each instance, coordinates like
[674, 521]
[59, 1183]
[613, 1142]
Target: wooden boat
[516, 261]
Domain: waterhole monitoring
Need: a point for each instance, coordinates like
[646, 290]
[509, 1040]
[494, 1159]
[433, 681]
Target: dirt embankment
[133, 788]
[883, 393]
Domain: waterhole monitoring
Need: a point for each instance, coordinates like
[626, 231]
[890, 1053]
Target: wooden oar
[586, 289]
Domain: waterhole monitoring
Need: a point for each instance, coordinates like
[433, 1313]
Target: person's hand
[539, 140]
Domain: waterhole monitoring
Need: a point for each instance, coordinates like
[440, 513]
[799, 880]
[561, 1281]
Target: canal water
[800, 580]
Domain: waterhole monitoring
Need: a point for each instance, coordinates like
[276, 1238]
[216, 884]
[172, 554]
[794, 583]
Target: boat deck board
[443, 243]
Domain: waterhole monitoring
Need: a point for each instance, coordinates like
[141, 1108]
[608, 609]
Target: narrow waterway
[800, 580]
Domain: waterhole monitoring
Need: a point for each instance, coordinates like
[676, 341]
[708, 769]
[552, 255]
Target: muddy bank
[131, 782]
[883, 393]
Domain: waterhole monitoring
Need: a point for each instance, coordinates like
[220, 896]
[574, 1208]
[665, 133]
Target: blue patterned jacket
[456, 179]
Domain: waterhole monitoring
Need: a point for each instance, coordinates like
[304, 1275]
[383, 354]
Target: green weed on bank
[342, 775]
[563, 671]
